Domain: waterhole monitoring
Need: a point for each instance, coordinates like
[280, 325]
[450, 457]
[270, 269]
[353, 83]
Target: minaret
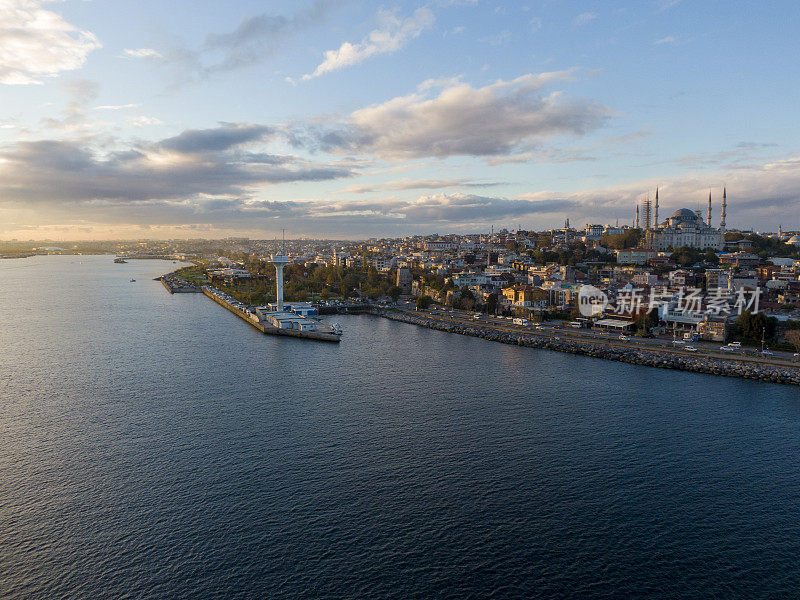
[708, 217]
[637, 216]
[724, 209]
[655, 216]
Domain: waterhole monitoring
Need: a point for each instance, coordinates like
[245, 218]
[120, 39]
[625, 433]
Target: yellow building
[521, 295]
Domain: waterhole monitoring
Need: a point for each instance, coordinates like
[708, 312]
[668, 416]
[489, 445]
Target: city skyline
[348, 120]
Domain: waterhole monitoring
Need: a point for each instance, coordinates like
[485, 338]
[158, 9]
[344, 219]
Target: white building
[635, 256]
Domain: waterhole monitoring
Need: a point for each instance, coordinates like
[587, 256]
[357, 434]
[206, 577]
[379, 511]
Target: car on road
[736, 345]
[679, 342]
[690, 349]
[767, 353]
[624, 338]
[728, 348]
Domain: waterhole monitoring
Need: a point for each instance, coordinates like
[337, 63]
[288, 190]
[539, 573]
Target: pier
[248, 314]
[176, 285]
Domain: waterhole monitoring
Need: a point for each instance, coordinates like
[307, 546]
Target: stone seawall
[663, 360]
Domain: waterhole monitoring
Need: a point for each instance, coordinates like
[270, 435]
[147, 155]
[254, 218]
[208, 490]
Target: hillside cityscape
[525, 274]
[408, 300]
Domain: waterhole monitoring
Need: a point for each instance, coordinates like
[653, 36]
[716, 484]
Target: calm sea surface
[156, 446]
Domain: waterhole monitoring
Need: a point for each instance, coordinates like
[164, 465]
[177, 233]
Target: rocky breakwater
[650, 358]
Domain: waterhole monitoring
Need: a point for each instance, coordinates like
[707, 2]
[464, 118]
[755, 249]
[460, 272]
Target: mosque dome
[683, 214]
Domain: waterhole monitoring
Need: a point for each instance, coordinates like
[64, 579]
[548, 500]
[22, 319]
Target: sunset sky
[353, 119]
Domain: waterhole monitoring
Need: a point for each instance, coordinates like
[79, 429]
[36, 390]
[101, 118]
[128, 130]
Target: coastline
[637, 356]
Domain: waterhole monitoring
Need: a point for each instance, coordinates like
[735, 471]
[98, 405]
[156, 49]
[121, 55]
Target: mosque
[684, 228]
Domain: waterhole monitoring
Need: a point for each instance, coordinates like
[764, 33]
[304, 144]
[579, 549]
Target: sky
[355, 119]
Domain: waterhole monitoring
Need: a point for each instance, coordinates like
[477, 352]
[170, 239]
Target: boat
[120, 261]
[132, 280]
[337, 329]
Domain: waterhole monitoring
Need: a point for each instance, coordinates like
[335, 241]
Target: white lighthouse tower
[280, 260]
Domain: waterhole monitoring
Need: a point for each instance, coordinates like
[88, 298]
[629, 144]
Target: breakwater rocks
[663, 360]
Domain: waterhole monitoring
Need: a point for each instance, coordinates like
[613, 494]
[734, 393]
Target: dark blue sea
[156, 446]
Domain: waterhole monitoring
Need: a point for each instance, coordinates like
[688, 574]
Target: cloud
[471, 209]
[253, 41]
[36, 43]
[62, 183]
[739, 156]
[141, 53]
[143, 121]
[498, 39]
[757, 195]
[217, 139]
[259, 36]
[415, 184]
[81, 93]
[547, 155]
[394, 34]
[462, 120]
[667, 4]
[193, 164]
[116, 106]
[584, 18]
[666, 40]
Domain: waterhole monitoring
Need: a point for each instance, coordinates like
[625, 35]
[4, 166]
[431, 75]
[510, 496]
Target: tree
[646, 322]
[793, 337]
[394, 292]
[750, 327]
[424, 302]
[629, 239]
[491, 303]
[685, 256]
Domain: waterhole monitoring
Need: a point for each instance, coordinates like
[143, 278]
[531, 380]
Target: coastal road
[564, 332]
